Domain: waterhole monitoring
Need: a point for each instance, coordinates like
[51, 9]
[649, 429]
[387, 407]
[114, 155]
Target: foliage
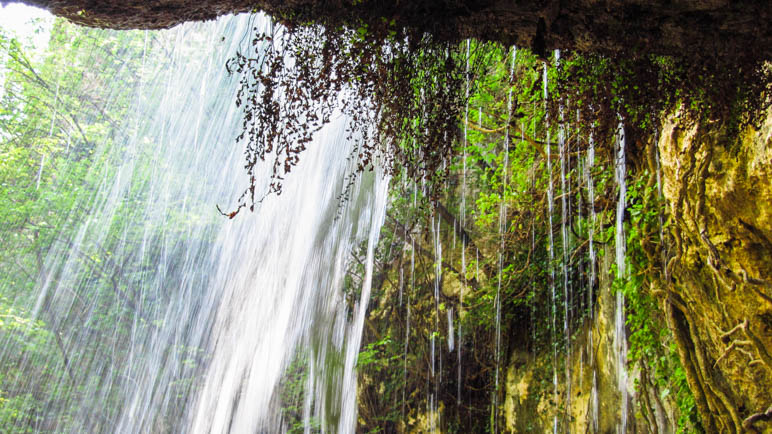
[382, 80]
[404, 90]
[71, 293]
[499, 168]
[651, 345]
[639, 89]
[492, 209]
[401, 92]
[371, 355]
[292, 392]
[466, 248]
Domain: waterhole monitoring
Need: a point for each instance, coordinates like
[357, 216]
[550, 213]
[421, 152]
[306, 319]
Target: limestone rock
[719, 190]
[715, 27]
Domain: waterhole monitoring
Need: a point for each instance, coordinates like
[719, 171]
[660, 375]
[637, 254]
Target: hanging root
[675, 318]
[755, 284]
[732, 346]
[760, 348]
[649, 416]
[764, 357]
[749, 422]
[717, 395]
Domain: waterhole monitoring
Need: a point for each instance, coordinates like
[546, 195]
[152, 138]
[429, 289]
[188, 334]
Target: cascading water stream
[620, 337]
[590, 299]
[467, 78]
[581, 265]
[407, 314]
[564, 215]
[211, 310]
[436, 356]
[502, 230]
[532, 310]
[551, 248]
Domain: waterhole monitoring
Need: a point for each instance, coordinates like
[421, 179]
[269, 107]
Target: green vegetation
[652, 349]
[495, 173]
[74, 272]
[468, 288]
[491, 173]
[51, 124]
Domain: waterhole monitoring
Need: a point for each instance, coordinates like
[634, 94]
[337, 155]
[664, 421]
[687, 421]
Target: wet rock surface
[704, 27]
[719, 190]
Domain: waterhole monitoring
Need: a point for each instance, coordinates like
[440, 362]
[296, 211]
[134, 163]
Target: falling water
[451, 335]
[477, 264]
[564, 213]
[502, 230]
[461, 292]
[620, 173]
[407, 317]
[436, 356]
[402, 269]
[591, 282]
[591, 225]
[210, 310]
[619, 322]
[582, 271]
[551, 249]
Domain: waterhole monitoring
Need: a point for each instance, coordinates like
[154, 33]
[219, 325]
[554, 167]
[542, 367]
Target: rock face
[714, 27]
[719, 190]
[157, 14]
[596, 402]
[717, 301]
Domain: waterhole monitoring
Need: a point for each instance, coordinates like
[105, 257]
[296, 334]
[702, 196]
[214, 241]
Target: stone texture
[700, 27]
[719, 190]
[530, 405]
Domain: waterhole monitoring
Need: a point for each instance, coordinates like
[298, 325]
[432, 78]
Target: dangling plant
[401, 91]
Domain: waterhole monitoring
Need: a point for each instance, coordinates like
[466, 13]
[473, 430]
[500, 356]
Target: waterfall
[206, 312]
[502, 230]
[620, 337]
[565, 212]
[467, 78]
[551, 248]
[591, 281]
[435, 366]
[407, 315]
[451, 335]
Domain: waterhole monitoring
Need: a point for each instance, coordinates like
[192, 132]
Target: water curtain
[200, 315]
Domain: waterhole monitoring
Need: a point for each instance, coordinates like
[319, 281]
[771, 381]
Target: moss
[716, 192]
